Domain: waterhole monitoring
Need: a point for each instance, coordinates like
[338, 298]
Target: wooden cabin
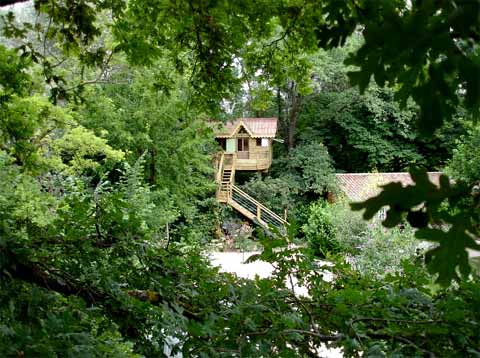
[247, 145]
[250, 139]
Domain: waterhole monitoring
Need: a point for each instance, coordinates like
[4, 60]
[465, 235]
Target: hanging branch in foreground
[53, 281]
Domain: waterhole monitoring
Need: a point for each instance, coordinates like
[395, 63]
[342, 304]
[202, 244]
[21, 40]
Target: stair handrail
[257, 203]
[234, 164]
[232, 175]
[220, 167]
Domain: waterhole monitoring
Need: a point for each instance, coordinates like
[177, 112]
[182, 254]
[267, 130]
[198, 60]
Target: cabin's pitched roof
[362, 186]
[256, 127]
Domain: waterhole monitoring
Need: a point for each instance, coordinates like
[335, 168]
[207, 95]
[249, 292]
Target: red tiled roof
[258, 127]
[362, 186]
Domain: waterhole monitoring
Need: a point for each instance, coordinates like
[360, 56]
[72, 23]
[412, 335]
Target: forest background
[104, 143]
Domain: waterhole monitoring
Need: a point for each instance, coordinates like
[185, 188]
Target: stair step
[245, 204]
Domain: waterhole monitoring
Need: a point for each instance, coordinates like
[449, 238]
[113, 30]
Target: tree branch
[286, 32]
[31, 273]
[64, 284]
[320, 337]
[411, 321]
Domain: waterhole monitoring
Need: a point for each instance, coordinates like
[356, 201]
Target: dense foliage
[369, 131]
[465, 164]
[306, 173]
[320, 230]
[106, 188]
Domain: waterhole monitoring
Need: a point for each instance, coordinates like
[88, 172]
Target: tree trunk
[279, 105]
[294, 102]
[293, 117]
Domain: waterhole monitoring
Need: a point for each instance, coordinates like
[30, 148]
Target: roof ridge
[257, 127]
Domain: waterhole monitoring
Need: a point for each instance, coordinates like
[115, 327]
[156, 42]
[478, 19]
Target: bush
[383, 250]
[275, 193]
[465, 163]
[371, 248]
[350, 226]
[309, 165]
[320, 230]
[304, 175]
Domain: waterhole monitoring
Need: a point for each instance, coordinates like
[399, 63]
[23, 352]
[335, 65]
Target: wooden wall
[260, 158]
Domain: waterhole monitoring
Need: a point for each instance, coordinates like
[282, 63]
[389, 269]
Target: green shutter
[230, 145]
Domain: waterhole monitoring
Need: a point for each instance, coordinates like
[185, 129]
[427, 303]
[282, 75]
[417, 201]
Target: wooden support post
[259, 212]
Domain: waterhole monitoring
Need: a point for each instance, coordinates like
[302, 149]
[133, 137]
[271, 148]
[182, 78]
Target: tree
[464, 165]
[304, 175]
[371, 132]
[215, 36]
[141, 118]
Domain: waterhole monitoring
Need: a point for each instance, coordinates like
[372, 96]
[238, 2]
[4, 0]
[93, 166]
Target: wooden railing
[228, 193]
[262, 155]
[219, 166]
[243, 155]
[253, 209]
[226, 164]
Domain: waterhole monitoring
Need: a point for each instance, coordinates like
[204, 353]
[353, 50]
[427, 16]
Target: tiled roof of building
[362, 186]
[258, 127]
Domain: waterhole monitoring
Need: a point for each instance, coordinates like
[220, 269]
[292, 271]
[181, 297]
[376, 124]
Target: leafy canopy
[425, 49]
[86, 262]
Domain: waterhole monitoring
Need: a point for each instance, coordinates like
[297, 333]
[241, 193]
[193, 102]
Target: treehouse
[247, 145]
[250, 139]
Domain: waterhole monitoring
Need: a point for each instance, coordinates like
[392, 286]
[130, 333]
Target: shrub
[275, 193]
[350, 226]
[465, 163]
[308, 165]
[371, 248]
[383, 250]
[320, 230]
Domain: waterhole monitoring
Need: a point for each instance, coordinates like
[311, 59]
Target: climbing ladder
[232, 195]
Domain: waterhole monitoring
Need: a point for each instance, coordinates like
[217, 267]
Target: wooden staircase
[232, 195]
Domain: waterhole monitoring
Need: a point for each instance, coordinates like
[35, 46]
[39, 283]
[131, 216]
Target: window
[262, 142]
[222, 142]
[242, 144]
[381, 214]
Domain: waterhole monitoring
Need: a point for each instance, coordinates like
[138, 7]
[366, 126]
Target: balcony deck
[254, 160]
